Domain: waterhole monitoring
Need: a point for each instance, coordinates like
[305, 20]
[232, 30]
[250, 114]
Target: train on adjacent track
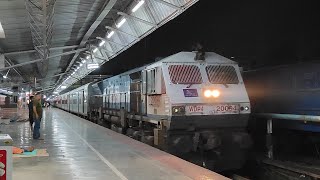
[292, 91]
[288, 89]
[191, 104]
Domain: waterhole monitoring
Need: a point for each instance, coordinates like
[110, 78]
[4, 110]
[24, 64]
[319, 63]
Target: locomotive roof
[181, 57]
[189, 57]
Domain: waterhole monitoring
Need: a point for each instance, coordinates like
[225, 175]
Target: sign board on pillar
[2, 63]
[5, 157]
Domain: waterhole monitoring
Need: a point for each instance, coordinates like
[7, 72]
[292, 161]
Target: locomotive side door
[135, 92]
[151, 88]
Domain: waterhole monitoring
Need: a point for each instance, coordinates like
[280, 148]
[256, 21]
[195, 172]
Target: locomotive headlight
[215, 93]
[246, 108]
[211, 93]
[207, 93]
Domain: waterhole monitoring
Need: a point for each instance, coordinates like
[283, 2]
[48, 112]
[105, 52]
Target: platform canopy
[49, 45]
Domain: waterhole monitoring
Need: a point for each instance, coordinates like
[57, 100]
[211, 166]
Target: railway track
[289, 170]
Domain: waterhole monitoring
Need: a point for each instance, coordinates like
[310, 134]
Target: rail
[271, 116]
[294, 117]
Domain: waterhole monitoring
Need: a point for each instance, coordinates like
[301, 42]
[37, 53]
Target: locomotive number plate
[225, 109]
[213, 109]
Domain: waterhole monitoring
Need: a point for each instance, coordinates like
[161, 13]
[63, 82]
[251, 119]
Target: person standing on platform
[30, 106]
[37, 115]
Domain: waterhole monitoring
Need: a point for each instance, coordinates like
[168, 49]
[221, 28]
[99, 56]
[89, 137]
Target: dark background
[255, 33]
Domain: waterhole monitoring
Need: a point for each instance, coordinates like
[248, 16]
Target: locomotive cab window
[222, 74]
[185, 74]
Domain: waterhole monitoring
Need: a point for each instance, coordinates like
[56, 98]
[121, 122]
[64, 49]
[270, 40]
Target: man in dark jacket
[37, 115]
[30, 106]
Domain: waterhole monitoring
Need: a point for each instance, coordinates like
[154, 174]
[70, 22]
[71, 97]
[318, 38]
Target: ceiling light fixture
[95, 50]
[63, 87]
[102, 43]
[2, 35]
[136, 7]
[6, 76]
[121, 22]
[92, 66]
[110, 34]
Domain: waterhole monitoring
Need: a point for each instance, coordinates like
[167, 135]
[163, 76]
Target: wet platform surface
[79, 149]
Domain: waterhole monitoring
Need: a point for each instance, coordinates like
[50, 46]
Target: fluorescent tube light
[92, 66]
[110, 34]
[2, 35]
[136, 7]
[63, 87]
[121, 23]
[102, 43]
[95, 50]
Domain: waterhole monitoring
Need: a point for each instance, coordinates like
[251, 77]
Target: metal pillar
[35, 83]
[269, 142]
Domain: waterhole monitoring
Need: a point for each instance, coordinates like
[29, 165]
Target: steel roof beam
[137, 19]
[114, 29]
[32, 51]
[61, 74]
[168, 4]
[39, 60]
[112, 42]
[41, 23]
[105, 11]
[46, 89]
[16, 70]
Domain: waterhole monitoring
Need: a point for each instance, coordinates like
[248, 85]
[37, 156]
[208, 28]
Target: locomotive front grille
[222, 74]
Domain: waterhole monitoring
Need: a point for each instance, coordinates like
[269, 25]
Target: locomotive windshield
[185, 74]
[222, 74]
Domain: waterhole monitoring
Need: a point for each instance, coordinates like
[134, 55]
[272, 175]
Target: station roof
[51, 44]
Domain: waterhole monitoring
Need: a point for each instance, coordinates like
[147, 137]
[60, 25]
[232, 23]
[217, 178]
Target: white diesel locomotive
[190, 104]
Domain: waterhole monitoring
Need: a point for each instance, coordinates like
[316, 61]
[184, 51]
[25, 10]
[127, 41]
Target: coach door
[68, 102]
[82, 101]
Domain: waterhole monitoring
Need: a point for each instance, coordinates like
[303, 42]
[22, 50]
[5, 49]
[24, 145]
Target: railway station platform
[79, 149]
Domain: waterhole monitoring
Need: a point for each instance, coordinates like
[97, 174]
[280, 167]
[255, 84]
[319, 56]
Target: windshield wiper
[189, 85]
